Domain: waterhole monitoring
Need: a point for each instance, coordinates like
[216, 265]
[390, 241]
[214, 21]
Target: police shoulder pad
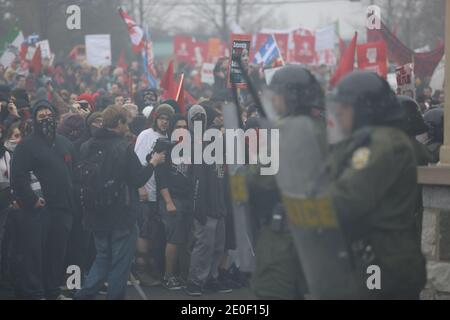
[360, 158]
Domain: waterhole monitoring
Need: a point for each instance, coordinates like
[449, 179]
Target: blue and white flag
[147, 56]
[269, 53]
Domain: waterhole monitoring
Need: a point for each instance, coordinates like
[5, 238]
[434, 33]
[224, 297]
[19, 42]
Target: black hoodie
[210, 189]
[52, 164]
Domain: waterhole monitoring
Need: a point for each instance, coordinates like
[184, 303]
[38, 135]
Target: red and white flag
[137, 35]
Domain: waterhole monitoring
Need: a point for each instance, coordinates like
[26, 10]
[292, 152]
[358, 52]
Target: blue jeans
[115, 253]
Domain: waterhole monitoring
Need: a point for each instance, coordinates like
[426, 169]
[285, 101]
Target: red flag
[189, 98]
[372, 56]
[282, 40]
[424, 63]
[347, 61]
[304, 49]
[180, 95]
[121, 63]
[23, 51]
[36, 62]
[136, 33]
[168, 83]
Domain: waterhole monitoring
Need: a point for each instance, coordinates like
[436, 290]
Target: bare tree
[417, 22]
[217, 16]
[156, 14]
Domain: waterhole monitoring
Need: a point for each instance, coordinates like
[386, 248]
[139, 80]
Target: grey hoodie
[193, 111]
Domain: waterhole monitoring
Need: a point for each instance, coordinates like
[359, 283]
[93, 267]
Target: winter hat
[164, 109]
[88, 97]
[173, 104]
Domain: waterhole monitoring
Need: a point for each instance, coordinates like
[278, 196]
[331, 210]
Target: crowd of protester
[53, 118]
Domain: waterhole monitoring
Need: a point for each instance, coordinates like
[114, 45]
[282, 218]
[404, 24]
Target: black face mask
[46, 128]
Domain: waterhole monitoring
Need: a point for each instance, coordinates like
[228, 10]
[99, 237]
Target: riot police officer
[298, 100]
[374, 184]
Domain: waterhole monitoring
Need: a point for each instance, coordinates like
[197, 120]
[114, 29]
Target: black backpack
[99, 172]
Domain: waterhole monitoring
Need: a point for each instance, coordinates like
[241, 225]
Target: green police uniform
[278, 272]
[374, 192]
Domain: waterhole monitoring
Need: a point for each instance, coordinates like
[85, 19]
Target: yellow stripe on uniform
[310, 213]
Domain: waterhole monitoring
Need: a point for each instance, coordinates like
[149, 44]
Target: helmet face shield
[339, 120]
[271, 104]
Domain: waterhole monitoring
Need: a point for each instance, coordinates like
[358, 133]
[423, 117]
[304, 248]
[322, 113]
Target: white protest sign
[45, 49]
[325, 38]
[207, 73]
[30, 53]
[98, 49]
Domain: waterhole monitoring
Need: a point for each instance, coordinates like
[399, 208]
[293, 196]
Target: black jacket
[130, 171]
[175, 178]
[52, 164]
[210, 191]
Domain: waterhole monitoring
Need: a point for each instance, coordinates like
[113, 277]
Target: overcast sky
[316, 15]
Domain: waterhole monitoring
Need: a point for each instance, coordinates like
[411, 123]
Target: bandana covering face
[11, 144]
[46, 128]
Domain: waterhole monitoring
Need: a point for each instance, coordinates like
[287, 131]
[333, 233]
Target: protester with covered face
[46, 220]
[174, 193]
[209, 210]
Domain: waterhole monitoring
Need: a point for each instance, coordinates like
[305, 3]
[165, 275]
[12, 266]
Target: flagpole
[180, 86]
[276, 45]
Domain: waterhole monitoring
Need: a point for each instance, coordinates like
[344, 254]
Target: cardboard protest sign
[240, 49]
[98, 49]
[406, 80]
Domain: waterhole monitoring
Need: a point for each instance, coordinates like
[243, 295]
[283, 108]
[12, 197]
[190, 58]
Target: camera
[161, 145]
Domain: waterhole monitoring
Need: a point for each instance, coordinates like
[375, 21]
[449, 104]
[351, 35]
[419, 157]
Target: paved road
[160, 293]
